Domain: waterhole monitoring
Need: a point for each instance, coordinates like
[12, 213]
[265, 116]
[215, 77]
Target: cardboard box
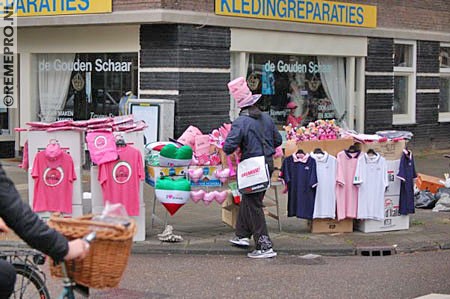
[70, 141]
[388, 224]
[325, 225]
[428, 182]
[224, 161]
[152, 173]
[208, 179]
[229, 215]
[97, 193]
[140, 221]
[229, 211]
[135, 139]
[394, 181]
[392, 221]
[331, 146]
[390, 150]
[77, 194]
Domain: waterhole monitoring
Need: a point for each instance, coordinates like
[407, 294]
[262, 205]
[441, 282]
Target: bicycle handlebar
[90, 237]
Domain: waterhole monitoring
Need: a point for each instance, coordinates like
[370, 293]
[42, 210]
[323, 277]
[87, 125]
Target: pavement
[203, 231]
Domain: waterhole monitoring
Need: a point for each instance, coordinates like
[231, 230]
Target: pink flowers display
[318, 130]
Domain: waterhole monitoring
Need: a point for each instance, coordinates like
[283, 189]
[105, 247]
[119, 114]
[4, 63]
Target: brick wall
[405, 14]
[119, 5]
[203, 98]
[411, 14]
[379, 59]
[192, 5]
[428, 132]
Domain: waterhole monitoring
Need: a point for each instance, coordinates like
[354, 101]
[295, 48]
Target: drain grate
[375, 251]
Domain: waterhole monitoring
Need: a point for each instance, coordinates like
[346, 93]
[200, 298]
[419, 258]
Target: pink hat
[241, 93]
[291, 105]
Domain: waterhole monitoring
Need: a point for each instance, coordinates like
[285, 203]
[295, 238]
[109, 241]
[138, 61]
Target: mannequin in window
[292, 119]
[123, 104]
[297, 96]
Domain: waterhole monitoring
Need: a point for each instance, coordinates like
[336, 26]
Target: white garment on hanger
[325, 203]
[372, 178]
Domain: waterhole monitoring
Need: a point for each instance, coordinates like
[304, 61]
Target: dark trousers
[7, 279]
[251, 219]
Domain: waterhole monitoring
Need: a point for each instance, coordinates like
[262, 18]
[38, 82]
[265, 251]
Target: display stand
[332, 147]
[72, 142]
[135, 139]
[274, 202]
[392, 152]
[154, 216]
[152, 173]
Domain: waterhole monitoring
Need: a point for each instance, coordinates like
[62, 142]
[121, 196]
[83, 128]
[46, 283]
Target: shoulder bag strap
[258, 135]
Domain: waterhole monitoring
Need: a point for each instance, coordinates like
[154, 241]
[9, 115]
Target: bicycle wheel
[29, 284]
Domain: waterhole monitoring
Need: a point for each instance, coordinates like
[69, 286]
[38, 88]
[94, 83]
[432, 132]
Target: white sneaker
[168, 230]
[171, 238]
[262, 254]
[240, 241]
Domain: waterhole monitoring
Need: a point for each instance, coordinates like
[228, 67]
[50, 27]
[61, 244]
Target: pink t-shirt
[102, 147]
[346, 191]
[53, 183]
[120, 179]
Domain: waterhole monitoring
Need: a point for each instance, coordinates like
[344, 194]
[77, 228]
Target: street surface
[195, 276]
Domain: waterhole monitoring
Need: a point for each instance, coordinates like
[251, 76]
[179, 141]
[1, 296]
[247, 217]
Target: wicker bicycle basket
[108, 255]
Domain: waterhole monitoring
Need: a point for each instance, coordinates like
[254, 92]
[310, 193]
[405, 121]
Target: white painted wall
[259, 41]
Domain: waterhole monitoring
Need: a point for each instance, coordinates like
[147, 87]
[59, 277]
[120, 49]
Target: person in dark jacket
[252, 121]
[17, 215]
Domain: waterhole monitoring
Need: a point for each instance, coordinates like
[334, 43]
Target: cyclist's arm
[26, 224]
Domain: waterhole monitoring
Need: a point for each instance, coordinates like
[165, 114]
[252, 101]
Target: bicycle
[31, 280]
[70, 286]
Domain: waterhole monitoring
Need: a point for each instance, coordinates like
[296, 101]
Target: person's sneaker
[262, 254]
[168, 230]
[240, 241]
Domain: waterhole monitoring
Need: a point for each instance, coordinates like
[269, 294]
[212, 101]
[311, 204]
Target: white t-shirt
[372, 178]
[325, 202]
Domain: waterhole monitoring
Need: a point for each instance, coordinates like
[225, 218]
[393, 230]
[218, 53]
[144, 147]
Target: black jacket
[244, 134]
[26, 224]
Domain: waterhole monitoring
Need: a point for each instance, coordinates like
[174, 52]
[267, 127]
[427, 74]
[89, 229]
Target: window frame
[444, 72]
[411, 74]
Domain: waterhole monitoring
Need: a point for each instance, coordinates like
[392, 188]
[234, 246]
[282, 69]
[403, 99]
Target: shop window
[84, 85]
[4, 122]
[444, 60]
[314, 85]
[404, 82]
[444, 92]
[403, 55]
[8, 115]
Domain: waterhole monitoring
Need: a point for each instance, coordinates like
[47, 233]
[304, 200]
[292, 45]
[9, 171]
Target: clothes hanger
[300, 152]
[371, 151]
[318, 151]
[406, 150]
[120, 141]
[53, 141]
[352, 149]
